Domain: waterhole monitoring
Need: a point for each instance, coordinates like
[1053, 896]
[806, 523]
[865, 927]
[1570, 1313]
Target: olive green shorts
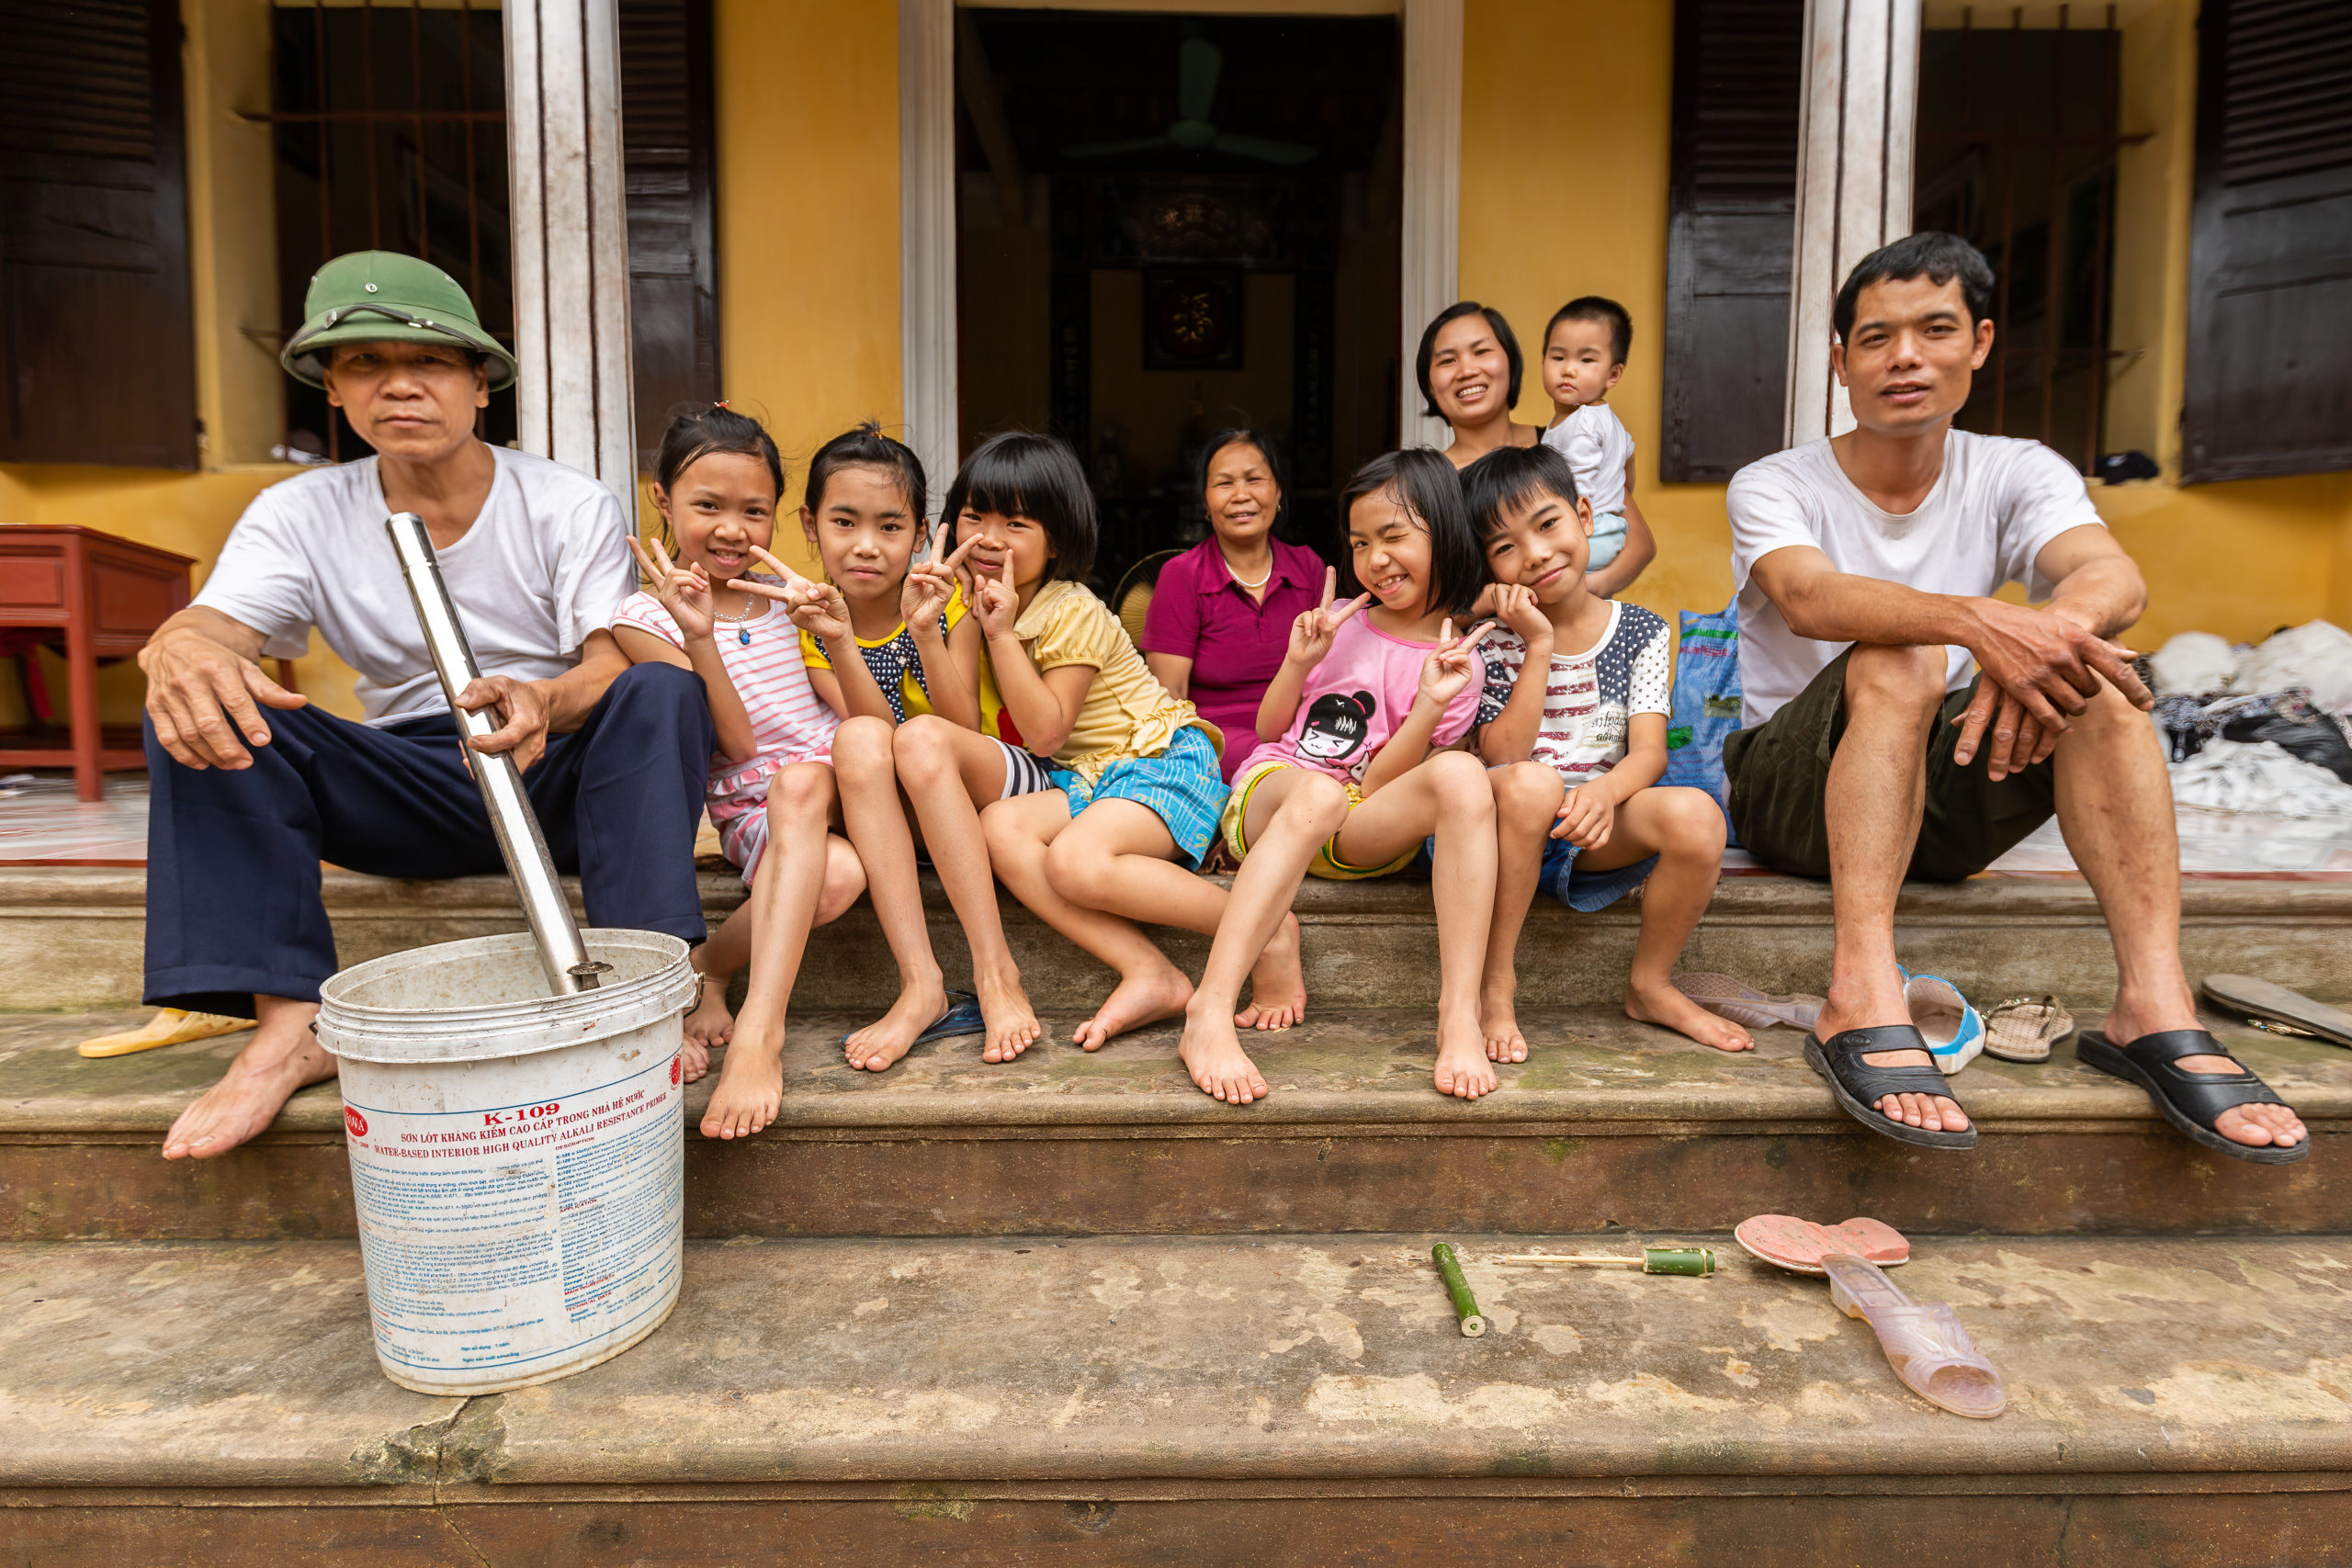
[1778, 774]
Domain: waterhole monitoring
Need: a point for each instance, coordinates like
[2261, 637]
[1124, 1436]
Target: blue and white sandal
[1953, 1030]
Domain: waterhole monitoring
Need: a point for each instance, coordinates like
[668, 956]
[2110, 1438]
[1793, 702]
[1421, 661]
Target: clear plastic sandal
[1931, 1352]
[1745, 1005]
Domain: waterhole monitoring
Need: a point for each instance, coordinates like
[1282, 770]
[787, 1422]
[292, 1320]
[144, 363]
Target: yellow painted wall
[808, 219]
[1557, 203]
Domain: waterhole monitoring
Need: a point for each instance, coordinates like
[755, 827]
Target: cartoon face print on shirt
[1335, 726]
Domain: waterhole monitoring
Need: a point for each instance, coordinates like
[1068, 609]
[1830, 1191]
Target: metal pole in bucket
[548, 911]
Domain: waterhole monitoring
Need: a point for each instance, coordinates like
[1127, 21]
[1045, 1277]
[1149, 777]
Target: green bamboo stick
[1465, 1305]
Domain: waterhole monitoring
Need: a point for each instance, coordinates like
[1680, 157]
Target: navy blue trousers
[233, 858]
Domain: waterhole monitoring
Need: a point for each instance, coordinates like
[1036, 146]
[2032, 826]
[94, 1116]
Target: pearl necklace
[1238, 578]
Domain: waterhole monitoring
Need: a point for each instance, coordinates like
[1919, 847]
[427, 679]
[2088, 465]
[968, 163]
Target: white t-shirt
[1589, 698]
[1597, 446]
[1994, 507]
[546, 564]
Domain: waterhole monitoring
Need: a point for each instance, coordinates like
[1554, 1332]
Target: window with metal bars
[390, 123]
[2018, 136]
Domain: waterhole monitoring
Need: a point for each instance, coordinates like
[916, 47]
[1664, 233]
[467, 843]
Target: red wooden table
[105, 596]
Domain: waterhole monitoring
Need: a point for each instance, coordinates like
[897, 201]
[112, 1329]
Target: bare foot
[1670, 1009]
[882, 1042]
[1277, 984]
[709, 1026]
[693, 1061]
[1462, 1065]
[1213, 1054]
[1498, 1025]
[248, 1097]
[749, 1093]
[1936, 1113]
[1012, 1025]
[1140, 999]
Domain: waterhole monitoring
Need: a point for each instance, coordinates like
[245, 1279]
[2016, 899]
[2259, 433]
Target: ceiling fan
[1199, 63]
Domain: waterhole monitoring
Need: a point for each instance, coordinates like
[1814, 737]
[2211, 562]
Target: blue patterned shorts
[1183, 787]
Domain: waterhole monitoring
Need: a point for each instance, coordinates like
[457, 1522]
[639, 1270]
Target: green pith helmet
[380, 297]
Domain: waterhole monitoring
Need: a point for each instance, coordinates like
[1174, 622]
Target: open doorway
[1167, 225]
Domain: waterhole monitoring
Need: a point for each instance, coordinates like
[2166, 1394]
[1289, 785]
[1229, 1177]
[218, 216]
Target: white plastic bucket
[518, 1158]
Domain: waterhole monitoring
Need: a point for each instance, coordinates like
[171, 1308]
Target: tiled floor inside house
[42, 823]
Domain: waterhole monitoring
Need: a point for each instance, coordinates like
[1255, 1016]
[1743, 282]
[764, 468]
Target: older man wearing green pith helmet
[251, 788]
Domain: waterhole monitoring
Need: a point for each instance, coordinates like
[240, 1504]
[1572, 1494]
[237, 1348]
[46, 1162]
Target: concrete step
[1205, 1399]
[70, 938]
[1609, 1125]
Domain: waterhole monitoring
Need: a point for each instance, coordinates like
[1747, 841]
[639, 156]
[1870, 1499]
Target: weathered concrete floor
[1369, 1066]
[233, 1364]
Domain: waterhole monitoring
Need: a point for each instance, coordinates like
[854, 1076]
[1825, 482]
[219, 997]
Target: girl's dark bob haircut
[1503, 335]
[1423, 482]
[1510, 477]
[868, 447]
[697, 430]
[1021, 473]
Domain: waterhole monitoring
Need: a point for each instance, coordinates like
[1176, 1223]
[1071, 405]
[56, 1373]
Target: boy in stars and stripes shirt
[1573, 722]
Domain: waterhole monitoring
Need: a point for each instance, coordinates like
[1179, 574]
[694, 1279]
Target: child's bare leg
[716, 964]
[1046, 862]
[1448, 794]
[1684, 828]
[798, 872]
[1292, 814]
[875, 820]
[1147, 885]
[944, 768]
[1527, 802]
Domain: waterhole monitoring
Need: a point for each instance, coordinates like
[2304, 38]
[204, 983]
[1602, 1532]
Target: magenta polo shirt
[1236, 644]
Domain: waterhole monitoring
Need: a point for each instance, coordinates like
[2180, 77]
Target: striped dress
[789, 722]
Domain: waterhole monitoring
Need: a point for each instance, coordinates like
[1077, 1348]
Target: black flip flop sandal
[2190, 1101]
[1859, 1086]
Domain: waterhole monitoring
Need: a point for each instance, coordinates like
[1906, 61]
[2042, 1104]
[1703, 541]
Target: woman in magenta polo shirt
[1221, 614]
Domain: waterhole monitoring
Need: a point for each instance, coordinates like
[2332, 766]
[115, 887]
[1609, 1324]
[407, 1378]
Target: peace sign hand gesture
[997, 602]
[1311, 633]
[816, 608]
[929, 585]
[684, 591]
[1449, 667]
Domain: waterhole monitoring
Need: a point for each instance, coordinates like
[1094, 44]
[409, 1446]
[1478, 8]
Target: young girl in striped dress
[771, 791]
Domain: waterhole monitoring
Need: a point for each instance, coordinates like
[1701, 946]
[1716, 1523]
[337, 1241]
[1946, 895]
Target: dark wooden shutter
[670, 143]
[97, 337]
[2269, 372]
[1731, 205]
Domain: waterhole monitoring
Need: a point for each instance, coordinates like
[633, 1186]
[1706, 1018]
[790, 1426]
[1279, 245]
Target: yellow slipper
[170, 1026]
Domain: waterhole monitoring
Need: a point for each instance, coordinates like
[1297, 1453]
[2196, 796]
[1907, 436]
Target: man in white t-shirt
[251, 788]
[1866, 567]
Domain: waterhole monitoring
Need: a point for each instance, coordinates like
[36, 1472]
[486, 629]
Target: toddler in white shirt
[1585, 347]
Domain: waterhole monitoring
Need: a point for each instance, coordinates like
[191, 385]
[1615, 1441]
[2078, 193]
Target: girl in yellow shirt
[1140, 787]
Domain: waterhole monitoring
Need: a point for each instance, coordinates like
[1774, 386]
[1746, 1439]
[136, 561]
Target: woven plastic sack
[1706, 702]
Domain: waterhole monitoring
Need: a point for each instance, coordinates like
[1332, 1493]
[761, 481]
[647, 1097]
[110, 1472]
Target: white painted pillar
[1429, 275]
[570, 212]
[927, 368]
[1853, 180]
